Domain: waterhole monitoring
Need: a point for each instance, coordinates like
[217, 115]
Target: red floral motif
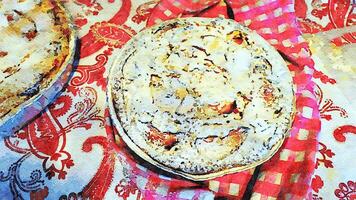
[339, 133]
[15, 141]
[319, 9]
[346, 191]
[90, 73]
[317, 183]
[80, 22]
[89, 8]
[127, 187]
[328, 106]
[40, 194]
[46, 136]
[143, 11]
[61, 106]
[300, 8]
[89, 42]
[85, 111]
[101, 181]
[339, 13]
[111, 34]
[88, 3]
[325, 153]
[323, 78]
[309, 26]
[93, 7]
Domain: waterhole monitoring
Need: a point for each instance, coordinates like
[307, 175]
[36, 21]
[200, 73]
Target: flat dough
[201, 96]
[34, 43]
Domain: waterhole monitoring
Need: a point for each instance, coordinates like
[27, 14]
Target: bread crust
[159, 143]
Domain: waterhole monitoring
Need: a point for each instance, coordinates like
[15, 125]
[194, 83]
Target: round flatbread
[201, 97]
[36, 41]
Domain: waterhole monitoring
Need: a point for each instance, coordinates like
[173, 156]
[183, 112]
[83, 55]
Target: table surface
[73, 154]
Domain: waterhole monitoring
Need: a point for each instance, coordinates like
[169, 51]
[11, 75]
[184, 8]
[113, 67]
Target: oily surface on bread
[34, 43]
[202, 95]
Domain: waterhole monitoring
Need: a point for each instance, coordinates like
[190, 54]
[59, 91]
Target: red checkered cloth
[285, 176]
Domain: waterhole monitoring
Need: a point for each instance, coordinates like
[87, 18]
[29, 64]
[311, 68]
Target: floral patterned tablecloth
[67, 151]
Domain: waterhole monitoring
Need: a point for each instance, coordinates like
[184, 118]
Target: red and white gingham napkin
[285, 176]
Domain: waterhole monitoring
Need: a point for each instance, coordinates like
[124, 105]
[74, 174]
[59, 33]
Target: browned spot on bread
[11, 70]
[156, 81]
[31, 34]
[268, 93]
[3, 54]
[234, 138]
[239, 37]
[166, 139]
[173, 75]
[225, 108]
[210, 138]
[10, 17]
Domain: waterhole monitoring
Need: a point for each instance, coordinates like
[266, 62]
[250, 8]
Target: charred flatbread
[201, 97]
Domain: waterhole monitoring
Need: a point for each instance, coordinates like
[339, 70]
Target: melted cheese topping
[201, 96]
[31, 41]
